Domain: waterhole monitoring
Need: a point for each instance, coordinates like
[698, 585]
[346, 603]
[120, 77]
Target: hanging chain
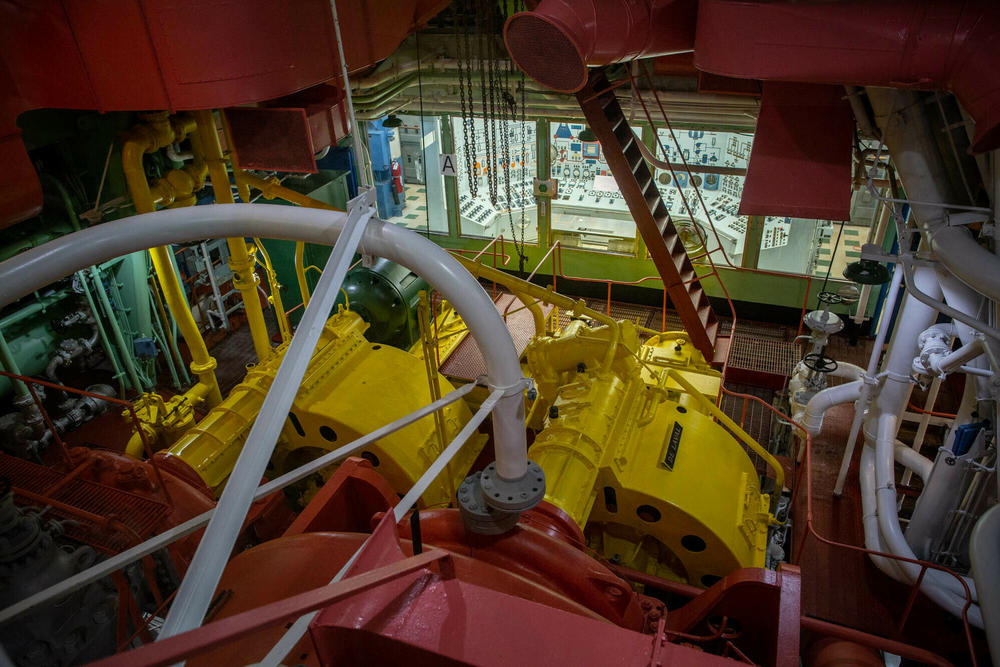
[465, 79]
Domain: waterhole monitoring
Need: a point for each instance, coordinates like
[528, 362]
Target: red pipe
[555, 43]
[921, 44]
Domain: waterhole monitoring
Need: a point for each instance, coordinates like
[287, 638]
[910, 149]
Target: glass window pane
[589, 212]
[408, 183]
[496, 199]
[720, 192]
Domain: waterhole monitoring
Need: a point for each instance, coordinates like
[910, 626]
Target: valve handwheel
[819, 362]
[830, 298]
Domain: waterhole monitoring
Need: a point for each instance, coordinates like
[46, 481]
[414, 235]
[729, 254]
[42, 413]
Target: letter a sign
[447, 164]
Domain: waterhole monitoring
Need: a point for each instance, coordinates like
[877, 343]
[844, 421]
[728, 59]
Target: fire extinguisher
[397, 182]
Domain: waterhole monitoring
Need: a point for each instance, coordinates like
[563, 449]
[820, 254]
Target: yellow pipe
[241, 262]
[772, 463]
[272, 188]
[300, 271]
[155, 134]
[530, 294]
[275, 299]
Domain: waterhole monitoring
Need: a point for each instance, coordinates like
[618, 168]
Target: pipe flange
[206, 367]
[478, 516]
[513, 495]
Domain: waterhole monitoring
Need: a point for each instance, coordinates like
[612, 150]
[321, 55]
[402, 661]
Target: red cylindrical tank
[555, 43]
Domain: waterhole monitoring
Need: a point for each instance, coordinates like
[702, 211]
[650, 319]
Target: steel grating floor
[466, 361]
[138, 515]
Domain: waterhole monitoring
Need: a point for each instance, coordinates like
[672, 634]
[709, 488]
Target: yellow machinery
[633, 456]
[633, 447]
[351, 388]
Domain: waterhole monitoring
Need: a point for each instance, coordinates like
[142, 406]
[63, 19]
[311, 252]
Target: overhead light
[587, 134]
[866, 272]
[392, 120]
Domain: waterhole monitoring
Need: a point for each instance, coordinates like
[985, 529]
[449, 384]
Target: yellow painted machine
[351, 388]
[632, 454]
[633, 448]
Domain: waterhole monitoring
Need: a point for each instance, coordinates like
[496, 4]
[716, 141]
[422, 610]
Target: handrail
[772, 463]
[110, 399]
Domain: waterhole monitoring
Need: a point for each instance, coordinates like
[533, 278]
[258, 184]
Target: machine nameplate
[675, 443]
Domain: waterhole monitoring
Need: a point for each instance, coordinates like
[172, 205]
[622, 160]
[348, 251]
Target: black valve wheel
[830, 298]
[819, 362]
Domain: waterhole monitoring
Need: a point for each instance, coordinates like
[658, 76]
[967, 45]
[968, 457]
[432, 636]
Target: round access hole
[369, 456]
[328, 434]
[648, 513]
[709, 580]
[693, 543]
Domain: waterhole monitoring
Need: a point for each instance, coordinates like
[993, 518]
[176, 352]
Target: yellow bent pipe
[205, 144]
[155, 134]
[531, 294]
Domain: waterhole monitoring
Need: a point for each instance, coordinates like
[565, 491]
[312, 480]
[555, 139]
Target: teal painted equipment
[386, 296]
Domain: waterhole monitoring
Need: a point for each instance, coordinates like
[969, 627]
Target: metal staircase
[618, 143]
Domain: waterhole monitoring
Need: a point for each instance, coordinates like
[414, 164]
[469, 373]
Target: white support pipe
[154, 544]
[210, 558]
[47, 263]
[888, 306]
[812, 418]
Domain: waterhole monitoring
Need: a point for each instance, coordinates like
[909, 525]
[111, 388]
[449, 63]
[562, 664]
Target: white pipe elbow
[913, 460]
[812, 419]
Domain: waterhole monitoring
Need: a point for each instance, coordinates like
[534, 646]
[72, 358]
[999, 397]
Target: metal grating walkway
[138, 516]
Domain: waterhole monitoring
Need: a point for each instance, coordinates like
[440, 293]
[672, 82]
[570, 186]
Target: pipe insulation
[44, 264]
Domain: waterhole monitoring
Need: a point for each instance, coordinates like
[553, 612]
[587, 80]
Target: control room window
[494, 199]
[705, 151]
[589, 212]
[408, 183]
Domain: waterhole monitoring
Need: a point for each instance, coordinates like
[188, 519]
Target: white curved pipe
[970, 262]
[941, 587]
[913, 460]
[869, 517]
[812, 418]
[49, 262]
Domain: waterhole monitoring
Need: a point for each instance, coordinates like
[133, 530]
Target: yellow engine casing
[654, 483]
[351, 388]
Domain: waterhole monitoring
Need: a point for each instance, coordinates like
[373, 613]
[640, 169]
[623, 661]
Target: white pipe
[196, 590]
[973, 264]
[822, 401]
[49, 262]
[888, 307]
[913, 460]
[944, 589]
[869, 516]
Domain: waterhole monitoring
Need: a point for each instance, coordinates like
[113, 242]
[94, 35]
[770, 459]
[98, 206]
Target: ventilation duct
[555, 43]
[921, 44]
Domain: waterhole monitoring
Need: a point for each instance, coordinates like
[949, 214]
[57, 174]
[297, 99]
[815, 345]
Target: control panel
[479, 214]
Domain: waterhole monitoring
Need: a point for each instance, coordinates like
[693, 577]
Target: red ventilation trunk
[922, 44]
[556, 43]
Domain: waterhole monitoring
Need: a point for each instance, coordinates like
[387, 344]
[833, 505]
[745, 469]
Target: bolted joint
[479, 516]
[206, 367]
[513, 495]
